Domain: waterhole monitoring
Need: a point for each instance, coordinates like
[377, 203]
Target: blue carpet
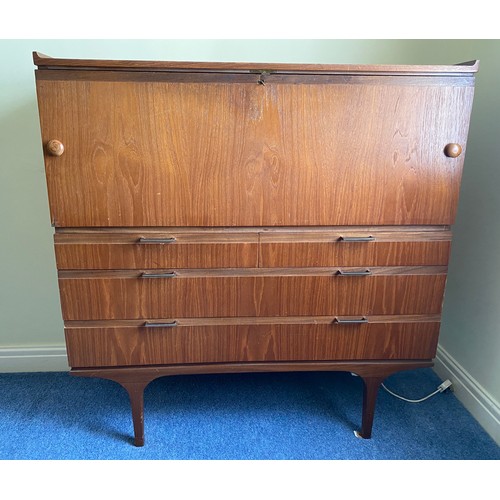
[240, 416]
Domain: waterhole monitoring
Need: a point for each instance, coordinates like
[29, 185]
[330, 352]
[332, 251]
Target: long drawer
[216, 341]
[100, 295]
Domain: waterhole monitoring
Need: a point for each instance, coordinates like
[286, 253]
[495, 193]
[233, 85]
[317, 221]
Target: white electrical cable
[445, 385]
[410, 400]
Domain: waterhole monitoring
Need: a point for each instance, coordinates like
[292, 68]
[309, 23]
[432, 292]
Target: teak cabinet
[220, 217]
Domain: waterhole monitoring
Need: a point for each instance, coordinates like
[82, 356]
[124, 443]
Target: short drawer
[354, 247]
[220, 343]
[194, 293]
[154, 249]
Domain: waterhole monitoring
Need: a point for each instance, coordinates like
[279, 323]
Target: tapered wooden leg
[136, 393]
[134, 381]
[370, 391]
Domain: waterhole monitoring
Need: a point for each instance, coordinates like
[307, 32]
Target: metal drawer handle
[356, 321]
[365, 272]
[155, 240]
[152, 324]
[158, 275]
[349, 239]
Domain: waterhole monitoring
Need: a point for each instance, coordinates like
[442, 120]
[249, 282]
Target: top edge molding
[46, 62]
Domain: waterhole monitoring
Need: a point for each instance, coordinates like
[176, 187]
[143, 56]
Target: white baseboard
[33, 359]
[483, 407]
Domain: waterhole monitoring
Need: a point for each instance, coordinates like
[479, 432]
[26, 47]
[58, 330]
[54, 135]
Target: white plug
[445, 385]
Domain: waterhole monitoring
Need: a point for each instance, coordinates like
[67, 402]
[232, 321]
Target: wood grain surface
[250, 272]
[42, 60]
[396, 253]
[129, 298]
[216, 344]
[258, 320]
[222, 154]
[202, 249]
[150, 372]
[257, 77]
[150, 256]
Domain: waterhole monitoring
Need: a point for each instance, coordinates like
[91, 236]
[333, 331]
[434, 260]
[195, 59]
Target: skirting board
[33, 359]
[482, 406]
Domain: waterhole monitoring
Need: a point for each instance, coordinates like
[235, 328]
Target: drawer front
[123, 346]
[149, 250]
[192, 295]
[242, 154]
[361, 247]
[205, 249]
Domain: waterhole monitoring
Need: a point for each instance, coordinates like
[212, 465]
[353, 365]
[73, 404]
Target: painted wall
[29, 307]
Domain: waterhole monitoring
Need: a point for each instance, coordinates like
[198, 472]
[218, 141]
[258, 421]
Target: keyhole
[261, 81]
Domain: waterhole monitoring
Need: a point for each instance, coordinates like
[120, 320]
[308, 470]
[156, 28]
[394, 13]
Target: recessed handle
[55, 147]
[153, 324]
[453, 150]
[350, 321]
[159, 275]
[159, 241]
[349, 239]
[364, 272]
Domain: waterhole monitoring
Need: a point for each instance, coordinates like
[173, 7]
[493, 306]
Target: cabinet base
[135, 379]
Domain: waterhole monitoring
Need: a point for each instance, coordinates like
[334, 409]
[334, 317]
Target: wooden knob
[453, 150]
[55, 147]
